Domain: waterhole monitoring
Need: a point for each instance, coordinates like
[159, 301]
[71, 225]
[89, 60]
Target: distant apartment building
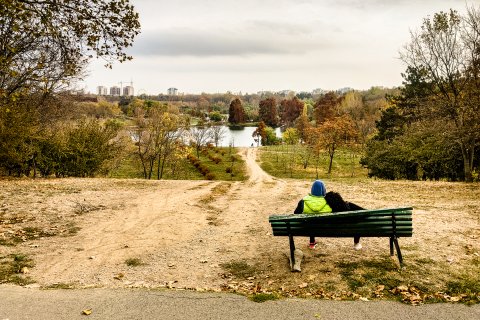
[102, 91]
[115, 91]
[172, 91]
[128, 91]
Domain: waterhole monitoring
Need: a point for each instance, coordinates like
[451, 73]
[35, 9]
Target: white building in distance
[128, 91]
[102, 91]
[172, 91]
[115, 91]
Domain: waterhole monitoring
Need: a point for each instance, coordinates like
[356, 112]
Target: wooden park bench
[391, 223]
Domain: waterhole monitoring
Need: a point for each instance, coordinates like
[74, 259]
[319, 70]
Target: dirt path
[181, 230]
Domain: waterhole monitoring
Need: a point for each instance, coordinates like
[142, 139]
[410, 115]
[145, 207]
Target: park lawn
[288, 161]
[131, 167]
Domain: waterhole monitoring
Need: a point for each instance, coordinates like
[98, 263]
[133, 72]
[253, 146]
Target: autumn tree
[218, 133]
[302, 124]
[44, 47]
[446, 50]
[290, 136]
[260, 134]
[236, 112]
[200, 136]
[336, 132]
[268, 112]
[47, 43]
[314, 147]
[291, 110]
[326, 107]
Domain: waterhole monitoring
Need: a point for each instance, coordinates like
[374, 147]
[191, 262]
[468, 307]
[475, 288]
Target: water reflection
[241, 136]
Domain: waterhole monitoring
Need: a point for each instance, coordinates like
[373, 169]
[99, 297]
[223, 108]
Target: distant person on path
[314, 202]
[319, 201]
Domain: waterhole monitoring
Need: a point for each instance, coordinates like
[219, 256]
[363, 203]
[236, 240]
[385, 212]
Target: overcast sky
[245, 45]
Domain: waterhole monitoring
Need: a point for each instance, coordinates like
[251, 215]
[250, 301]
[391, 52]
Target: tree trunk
[331, 153]
[468, 152]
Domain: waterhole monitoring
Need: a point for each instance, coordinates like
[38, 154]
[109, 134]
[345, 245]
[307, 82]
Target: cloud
[227, 43]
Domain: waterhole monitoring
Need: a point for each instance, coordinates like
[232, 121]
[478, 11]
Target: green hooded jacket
[314, 204]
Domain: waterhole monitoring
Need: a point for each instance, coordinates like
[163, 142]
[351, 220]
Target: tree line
[431, 130]
[426, 129]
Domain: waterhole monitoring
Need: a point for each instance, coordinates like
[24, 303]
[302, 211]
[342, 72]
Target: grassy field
[295, 162]
[223, 163]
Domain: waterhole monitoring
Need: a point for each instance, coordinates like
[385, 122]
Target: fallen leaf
[363, 299]
[24, 270]
[402, 288]
[119, 276]
[303, 285]
[87, 312]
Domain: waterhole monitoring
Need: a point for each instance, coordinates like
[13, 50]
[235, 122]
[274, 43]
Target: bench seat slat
[343, 227]
[340, 223]
[370, 213]
[336, 234]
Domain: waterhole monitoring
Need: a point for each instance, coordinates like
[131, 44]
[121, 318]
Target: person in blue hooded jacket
[314, 202]
[319, 201]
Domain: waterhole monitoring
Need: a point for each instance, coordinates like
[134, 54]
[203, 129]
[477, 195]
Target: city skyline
[219, 46]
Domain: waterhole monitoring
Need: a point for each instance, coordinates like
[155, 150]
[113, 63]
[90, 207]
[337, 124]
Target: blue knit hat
[318, 189]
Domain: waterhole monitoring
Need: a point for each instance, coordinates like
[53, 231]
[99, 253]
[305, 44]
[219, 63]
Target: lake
[241, 136]
[235, 136]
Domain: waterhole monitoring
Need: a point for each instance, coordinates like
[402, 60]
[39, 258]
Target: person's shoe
[357, 246]
[312, 245]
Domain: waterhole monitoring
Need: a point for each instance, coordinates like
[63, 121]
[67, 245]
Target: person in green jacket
[314, 202]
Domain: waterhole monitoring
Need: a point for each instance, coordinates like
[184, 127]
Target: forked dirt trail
[184, 232]
[180, 230]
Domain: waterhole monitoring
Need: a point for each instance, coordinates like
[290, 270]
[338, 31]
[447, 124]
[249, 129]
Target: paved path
[21, 303]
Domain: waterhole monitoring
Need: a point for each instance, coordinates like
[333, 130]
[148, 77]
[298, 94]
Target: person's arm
[299, 208]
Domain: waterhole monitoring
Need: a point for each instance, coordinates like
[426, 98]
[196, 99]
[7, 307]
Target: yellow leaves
[379, 291]
[87, 312]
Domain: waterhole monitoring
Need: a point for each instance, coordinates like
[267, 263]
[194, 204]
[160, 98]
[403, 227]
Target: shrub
[203, 169]
[210, 176]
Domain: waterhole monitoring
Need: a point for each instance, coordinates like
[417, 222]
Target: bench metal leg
[399, 253]
[391, 246]
[292, 249]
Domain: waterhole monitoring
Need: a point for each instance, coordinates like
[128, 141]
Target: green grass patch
[34, 233]
[365, 275]
[262, 297]
[13, 269]
[221, 163]
[134, 262]
[288, 161]
[239, 269]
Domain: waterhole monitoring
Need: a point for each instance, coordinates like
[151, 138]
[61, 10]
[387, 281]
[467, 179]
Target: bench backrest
[366, 223]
